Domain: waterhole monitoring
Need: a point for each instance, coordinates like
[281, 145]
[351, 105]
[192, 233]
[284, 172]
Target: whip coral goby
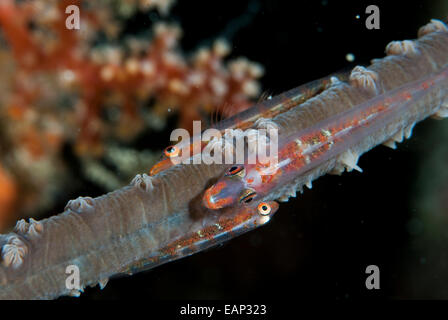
[329, 132]
[255, 115]
[118, 232]
[214, 229]
[343, 137]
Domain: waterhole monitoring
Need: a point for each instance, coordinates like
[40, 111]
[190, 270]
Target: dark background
[331, 233]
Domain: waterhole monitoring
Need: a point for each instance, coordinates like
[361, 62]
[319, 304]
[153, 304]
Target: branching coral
[85, 88]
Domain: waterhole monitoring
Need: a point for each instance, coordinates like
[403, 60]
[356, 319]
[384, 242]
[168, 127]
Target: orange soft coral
[62, 87]
[155, 70]
[8, 196]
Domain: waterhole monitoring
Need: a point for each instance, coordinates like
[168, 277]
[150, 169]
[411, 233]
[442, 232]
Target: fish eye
[236, 171]
[264, 208]
[247, 196]
[171, 151]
